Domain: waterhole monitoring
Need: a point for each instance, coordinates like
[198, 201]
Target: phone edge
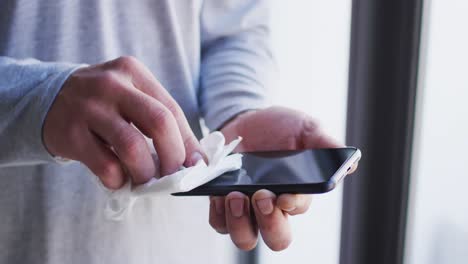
[341, 173]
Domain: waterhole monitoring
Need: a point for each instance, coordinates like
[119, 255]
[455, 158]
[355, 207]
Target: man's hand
[274, 128]
[101, 114]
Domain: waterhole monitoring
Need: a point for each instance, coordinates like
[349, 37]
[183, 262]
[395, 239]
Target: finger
[313, 137]
[294, 204]
[128, 143]
[238, 221]
[102, 162]
[272, 221]
[353, 168]
[145, 81]
[158, 123]
[217, 216]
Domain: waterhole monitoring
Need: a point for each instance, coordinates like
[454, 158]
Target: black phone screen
[306, 171]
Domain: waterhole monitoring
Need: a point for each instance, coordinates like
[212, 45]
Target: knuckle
[106, 79]
[310, 129]
[108, 83]
[174, 108]
[128, 59]
[161, 117]
[310, 126]
[125, 63]
[131, 142]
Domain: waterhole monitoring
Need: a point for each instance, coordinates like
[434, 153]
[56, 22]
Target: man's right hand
[101, 114]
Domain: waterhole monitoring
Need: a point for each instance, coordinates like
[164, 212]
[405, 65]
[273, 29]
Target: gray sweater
[212, 56]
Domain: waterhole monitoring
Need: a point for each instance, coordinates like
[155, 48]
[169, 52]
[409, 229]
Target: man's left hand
[274, 128]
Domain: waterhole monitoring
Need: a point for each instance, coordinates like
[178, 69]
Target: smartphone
[305, 171]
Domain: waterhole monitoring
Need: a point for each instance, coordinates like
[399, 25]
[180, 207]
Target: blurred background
[312, 40]
[311, 44]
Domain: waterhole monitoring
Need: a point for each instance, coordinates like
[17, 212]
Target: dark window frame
[384, 58]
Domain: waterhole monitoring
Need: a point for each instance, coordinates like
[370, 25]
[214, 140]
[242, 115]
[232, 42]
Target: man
[66, 91]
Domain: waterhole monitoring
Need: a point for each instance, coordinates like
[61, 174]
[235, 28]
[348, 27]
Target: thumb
[313, 137]
[193, 151]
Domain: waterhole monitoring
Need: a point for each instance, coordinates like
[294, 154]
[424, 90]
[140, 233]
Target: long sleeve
[237, 65]
[27, 90]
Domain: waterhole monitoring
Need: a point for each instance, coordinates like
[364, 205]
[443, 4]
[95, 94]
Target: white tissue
[121, 201]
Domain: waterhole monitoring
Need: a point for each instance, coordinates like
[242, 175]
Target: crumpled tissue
[121, 201]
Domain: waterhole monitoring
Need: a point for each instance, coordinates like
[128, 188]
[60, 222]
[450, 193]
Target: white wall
[438, 213]
[311, 40]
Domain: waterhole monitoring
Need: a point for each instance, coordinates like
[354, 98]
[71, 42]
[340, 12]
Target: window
[311, 43]
[438, 214]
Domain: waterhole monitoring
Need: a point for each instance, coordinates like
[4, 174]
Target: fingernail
[237, 207]
[219, 206]
[194, 158]
[290, 209]
[265, 206]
